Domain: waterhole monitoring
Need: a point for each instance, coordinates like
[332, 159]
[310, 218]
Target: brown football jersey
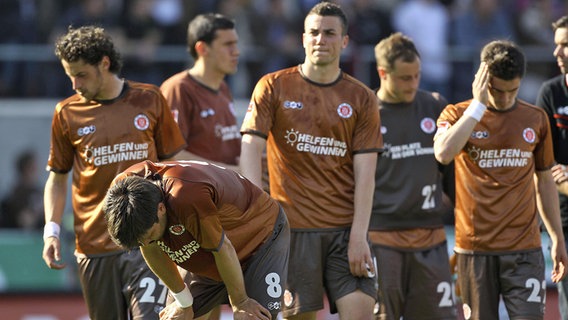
[98, 141]
[313, 132]
[496, 208]
[205, 202]
[206, 118]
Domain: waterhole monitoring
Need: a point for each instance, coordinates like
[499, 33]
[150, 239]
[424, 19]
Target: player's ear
[105, 63]
[382, 72]
[201, 48]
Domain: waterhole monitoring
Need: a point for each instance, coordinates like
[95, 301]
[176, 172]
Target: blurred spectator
[426, 22]
[278, 30]
[22, 207]
[369, 23]
[143, 37]
[19, 22]
[471, 28]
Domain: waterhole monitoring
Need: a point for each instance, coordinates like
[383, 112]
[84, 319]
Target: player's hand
[250, 309]
[173, 312]
[360, 260]
[454, 272]
[52, 254]
[560, 261]
[559, 173]
[480, 84]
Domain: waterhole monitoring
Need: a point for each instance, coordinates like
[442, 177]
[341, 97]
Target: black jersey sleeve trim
[255, 133]
[374, 150]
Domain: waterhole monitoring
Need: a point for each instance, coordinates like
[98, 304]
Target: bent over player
[502, 149]
[231, 235]
[108, 125]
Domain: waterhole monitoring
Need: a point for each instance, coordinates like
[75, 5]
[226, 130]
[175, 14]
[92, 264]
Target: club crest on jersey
[177, 229]
[529, 135]
[141, 122]
[384, 130]
[428, 125]
[344, 110]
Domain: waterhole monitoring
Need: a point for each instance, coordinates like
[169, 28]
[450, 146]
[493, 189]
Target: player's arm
[252, 147]
[449, 142]
[359, 252]
[186, 155]
[54, 196]
[231, 272]
[163, 267]
[549, 209]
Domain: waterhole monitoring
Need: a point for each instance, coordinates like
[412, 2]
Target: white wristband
[51, 229]
[184, 299]
[475, 110]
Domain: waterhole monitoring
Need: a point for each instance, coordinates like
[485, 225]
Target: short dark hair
[394, 47]
[130, 207]
[504, 59]
[325, 8]
[90, 44]
[560, 23]
[204, 28]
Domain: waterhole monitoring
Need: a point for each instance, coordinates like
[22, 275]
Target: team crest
[141, 122]
[428, 125]
[345, 110]
[529, 135]
[177, 229]
[383, 130]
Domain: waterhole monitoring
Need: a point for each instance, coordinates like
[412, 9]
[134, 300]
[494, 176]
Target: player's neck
[320, 74]
[113, 88]
[206, 76]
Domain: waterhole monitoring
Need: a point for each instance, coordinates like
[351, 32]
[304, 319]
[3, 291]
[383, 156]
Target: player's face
[402, 82]
[323, 39]
[87, 80]
[156, 232]
[561, 49]
[503, 93]
[224, 51]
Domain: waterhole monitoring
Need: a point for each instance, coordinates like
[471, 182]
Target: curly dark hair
[504, 59]
[90, 44]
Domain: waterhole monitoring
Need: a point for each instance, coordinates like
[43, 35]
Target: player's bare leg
[356, 306]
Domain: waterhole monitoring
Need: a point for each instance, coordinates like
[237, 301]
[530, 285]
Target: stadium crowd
[449, 33]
